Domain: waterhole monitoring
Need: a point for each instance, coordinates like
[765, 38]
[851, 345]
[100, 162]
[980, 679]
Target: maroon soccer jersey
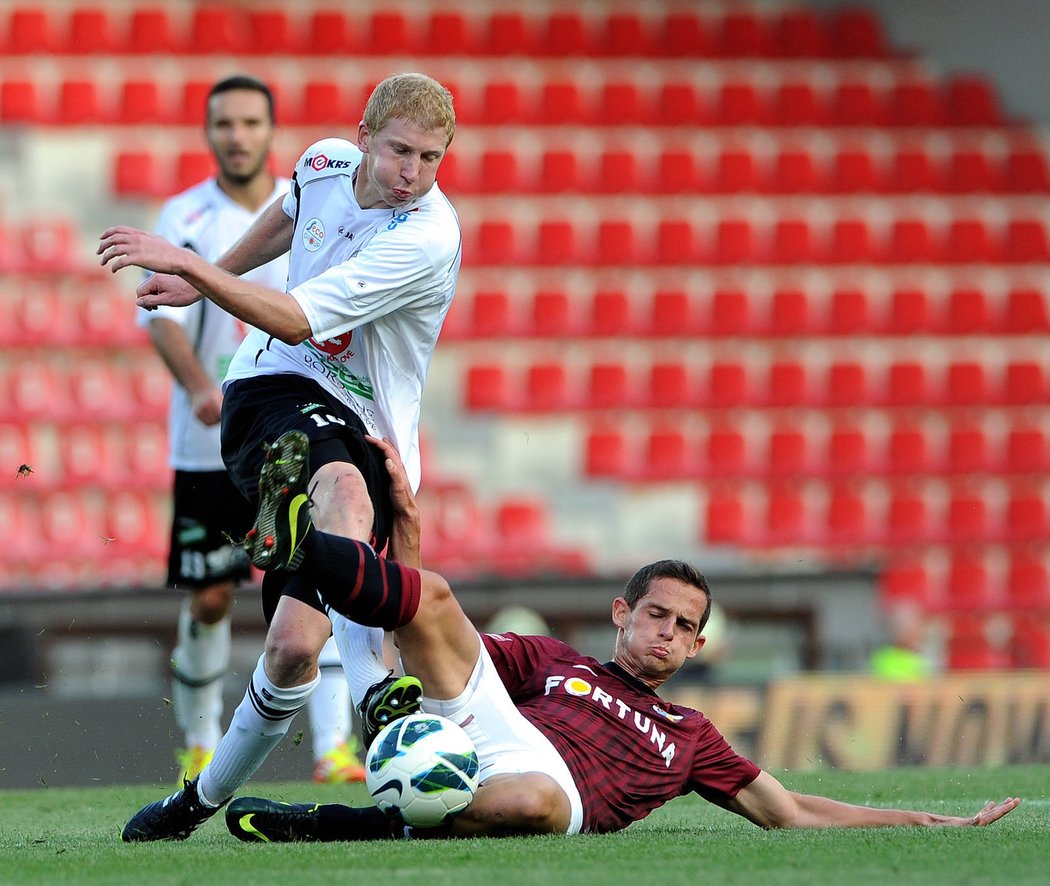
[628, 750]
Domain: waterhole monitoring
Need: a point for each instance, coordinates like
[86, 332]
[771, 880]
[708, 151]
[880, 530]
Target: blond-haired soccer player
[374, 259]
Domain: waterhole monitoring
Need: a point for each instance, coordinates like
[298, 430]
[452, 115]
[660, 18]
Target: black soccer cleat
[283, 520]
[258, 820]
[388, 700]
[173, 818]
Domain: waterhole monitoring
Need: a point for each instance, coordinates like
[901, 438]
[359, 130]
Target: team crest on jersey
[334, 347]
[313, 235]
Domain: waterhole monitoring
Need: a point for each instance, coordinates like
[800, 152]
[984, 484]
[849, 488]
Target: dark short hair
[638, 584]
[242, 81]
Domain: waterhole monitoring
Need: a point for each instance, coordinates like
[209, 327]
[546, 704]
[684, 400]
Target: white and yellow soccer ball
[424, 768]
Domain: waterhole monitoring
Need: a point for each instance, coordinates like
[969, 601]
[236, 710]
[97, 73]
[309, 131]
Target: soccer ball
[423, 767]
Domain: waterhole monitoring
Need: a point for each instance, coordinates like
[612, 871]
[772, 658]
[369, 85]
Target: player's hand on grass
[990, 813]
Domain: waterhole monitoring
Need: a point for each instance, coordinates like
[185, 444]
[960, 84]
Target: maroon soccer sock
[356, 582]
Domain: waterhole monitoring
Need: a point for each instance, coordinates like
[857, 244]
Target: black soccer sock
[336, 823]
[356, 582]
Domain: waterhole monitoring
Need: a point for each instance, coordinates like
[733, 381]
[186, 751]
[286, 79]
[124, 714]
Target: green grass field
[71, 836]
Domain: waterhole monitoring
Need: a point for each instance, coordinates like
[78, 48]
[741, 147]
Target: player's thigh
[529, 803]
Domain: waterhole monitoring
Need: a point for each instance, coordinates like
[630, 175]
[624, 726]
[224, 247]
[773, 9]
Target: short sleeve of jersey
[518, 659]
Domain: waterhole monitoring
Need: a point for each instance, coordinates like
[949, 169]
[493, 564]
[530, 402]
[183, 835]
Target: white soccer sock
[259, 723]
[198, 664]
[329, 706]
[361, 650]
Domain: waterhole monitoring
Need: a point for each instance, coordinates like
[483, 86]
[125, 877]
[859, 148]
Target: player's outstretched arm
[270, 310]
[767, 803]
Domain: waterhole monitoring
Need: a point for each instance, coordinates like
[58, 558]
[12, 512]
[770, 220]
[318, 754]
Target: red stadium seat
[506, 33]
[793, 172]
[908, 519]
[606, 454]
[676, 243]
[788, 453]
[686, 35]
[192, 167]
[676, 173]
[547, 387]
[909, 313]
[726, 520]
[856, 103]
[968, 312]
[966, 383]
[559, 103]
[140, 102]
[612, 315]
[792, 242]
[556, 243]
[968, 241]
[854, 171]
[734, 242]
[1027, 583]
[912, 172]
[624, 34]
[30, 32]
[848, 453]
[735, 172]
[491, 315]
[151, 32]
[671, 386]
[218, 29]
[968, 518]
[90, 32]
[20, 102]
[1026, 450]
[1029, 644]
[669, 455]
[739, 103]
[743, 35]
[562, 34]
[389, 32]
[271, 32]
[559, 172]
[797, 103]
[856, 32]
[679, 103]
[968, 647]
[971, 100]
[727, 453]
[799, 33]
[136, 174]
[621, 103]
[673, 314]
[495, 243]
[908, 450]
[487, 388]
[328, 32]
[915, 103]
[851, 242]
[849, 313]
[617, 173]
[971, 171]
[447, 32]
[79, 103]
[787, 384]
[323, 103]
[788, 520]
[790, 314]
[907, 579]
[617, 243]
[969, 450]
[1026, 241]
[1025, 172]
[848, 518]
[910, 242]
[728, 385]
[1026, 517]
[730, 313]
[1025, 312]
[1024, 384]
[552, 315]
[499, 173]
[847, 385]
[608, 387]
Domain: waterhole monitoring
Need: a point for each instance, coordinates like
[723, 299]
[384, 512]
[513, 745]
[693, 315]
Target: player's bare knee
[211, 604]
[291, 659]
[435, 594]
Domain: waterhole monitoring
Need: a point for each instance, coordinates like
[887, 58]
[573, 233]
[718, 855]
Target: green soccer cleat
[257, 820]
[173, 818]
[388, 700]
[283, 520]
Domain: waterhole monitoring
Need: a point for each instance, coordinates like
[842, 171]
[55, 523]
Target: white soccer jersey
[375, 285]
[207, 221]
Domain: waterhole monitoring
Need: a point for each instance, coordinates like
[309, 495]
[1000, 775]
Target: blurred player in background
[197, 343]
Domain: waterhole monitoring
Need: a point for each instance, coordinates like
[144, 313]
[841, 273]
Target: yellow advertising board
[857, 722]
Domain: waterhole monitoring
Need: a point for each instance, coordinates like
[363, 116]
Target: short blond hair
[416, 98]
